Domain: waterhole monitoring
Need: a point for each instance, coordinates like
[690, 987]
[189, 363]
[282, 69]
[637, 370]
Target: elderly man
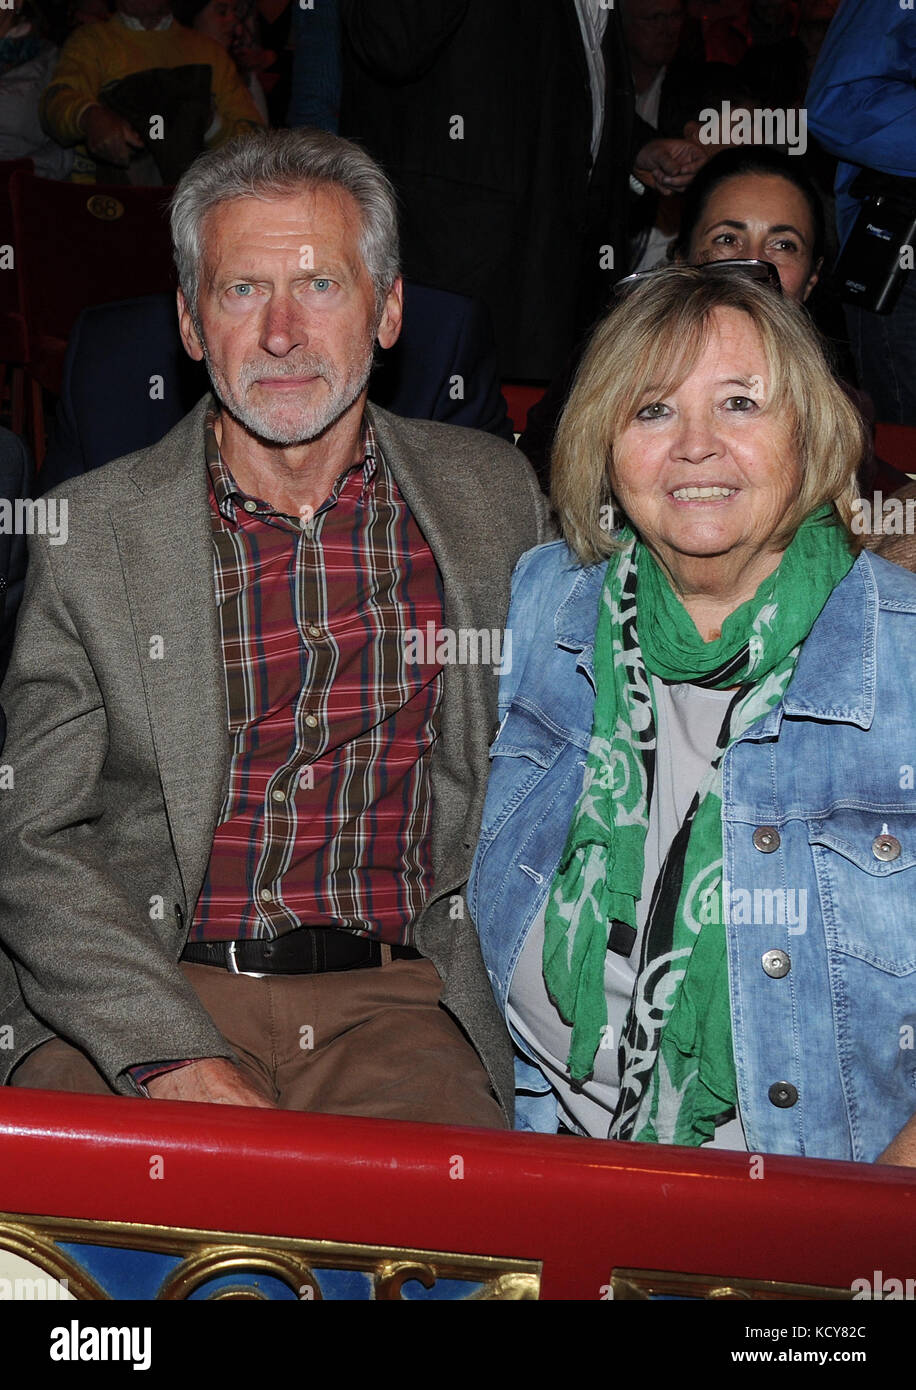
[246, 797]
[139, 96]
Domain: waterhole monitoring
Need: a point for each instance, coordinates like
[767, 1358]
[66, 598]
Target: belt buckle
[233, 966]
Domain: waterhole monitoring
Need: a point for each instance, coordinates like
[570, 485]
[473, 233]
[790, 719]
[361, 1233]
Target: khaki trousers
[359, 1042]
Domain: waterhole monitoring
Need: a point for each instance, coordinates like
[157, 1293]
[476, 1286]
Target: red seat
[519, 398]
[896, 445]
[78, 245]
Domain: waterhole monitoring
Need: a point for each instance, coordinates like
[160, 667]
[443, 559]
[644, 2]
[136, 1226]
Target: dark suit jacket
[128, 380]
[121, 761]
[505, 206]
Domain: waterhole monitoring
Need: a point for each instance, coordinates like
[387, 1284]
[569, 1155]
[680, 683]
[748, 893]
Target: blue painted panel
[123, 1273]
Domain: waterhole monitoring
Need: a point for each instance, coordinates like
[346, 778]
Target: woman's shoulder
[550, 563]
[896, 586]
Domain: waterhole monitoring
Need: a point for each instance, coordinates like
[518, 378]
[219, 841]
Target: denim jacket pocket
[524, 750]
[865, 864]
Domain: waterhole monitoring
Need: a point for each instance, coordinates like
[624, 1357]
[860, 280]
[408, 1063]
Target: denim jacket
[819, 844]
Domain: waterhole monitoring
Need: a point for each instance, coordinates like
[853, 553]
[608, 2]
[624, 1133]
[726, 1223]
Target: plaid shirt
[326, 817]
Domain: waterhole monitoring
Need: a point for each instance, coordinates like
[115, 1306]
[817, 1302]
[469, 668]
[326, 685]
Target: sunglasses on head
[764, 272]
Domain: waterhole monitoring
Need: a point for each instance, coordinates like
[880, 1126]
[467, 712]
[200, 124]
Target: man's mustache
[308, 366]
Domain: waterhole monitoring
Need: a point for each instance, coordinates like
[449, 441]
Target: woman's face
[703, 472]
[759, 217]
[217, 21]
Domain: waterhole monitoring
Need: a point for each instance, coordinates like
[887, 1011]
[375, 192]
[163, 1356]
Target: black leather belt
[306, 951]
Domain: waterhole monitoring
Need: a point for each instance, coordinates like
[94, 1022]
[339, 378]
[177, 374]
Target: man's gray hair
[276, 163]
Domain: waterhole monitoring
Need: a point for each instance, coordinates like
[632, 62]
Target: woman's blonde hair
[651, 341]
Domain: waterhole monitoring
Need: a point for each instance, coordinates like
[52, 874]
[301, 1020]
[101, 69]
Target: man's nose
[283, 326]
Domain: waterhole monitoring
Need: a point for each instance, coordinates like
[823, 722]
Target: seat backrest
[9, 292]
[896, 444]
[82, 244]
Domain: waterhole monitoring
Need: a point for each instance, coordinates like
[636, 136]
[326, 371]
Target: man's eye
[243, 291]
[321, 284]
[657, 410]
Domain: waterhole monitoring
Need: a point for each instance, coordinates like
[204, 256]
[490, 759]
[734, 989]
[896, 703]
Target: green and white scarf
[677, 1063]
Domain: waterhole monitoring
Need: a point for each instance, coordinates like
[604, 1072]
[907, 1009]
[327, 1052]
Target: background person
[217, 19]
[745, 204]
[862, 107]
[508, 128]
[140, 37]
[26, 63]
[703, 709]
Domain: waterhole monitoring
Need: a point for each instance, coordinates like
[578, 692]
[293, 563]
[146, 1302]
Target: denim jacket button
[776, 964]
[766, 839]
[783, 1094]
[885, 848]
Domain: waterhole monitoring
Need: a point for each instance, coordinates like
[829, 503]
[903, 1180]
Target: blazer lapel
[459, 767]
[165, 544]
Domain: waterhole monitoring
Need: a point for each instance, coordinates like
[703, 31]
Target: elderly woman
[696, 879]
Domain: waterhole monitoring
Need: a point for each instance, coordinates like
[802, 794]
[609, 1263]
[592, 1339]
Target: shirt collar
[130, 22]
[229, 496]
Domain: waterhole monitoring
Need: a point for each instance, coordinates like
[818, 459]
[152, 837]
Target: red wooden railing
[582, 1208]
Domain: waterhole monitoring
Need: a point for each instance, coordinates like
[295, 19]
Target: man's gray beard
[314, 421]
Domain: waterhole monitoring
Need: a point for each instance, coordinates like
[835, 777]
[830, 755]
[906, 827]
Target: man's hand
[215, 1080]
[901, 1151]
[669, 165]
[108, 135]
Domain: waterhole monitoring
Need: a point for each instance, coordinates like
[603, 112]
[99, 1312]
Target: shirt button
[776, 964]
[266, 895]
[783, 1094]
[886, 848]
[278, 795]
[311, 721]
[766, 839]
[313, 630]
[250, 506]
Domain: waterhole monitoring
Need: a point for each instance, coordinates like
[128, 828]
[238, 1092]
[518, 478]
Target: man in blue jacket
[862, 106]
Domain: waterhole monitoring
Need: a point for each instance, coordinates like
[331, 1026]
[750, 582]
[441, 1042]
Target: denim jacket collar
[576, 617]
[824, 685]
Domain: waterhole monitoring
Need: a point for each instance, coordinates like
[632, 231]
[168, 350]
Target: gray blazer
[119, 748]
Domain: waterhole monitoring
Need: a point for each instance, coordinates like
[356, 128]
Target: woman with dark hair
[755, 204]
[747, 203]
[219, 20]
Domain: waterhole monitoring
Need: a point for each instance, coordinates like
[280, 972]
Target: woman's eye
[785, 245]
[742, 404]
[725, 239]
[657, 410]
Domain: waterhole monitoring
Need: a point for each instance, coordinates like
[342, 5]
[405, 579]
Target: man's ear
[389, 328]
[189, 337]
